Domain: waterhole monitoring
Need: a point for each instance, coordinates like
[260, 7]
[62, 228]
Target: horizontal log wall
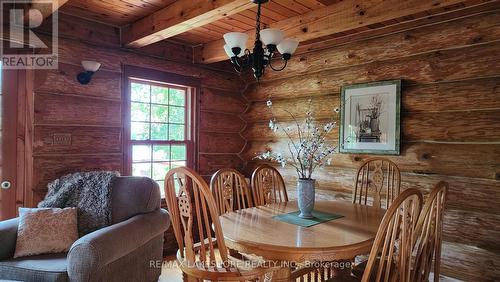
[450, 124]
[90, 115]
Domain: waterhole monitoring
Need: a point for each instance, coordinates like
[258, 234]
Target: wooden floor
[169, 271]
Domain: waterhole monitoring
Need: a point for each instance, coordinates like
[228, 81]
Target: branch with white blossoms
[307, 152]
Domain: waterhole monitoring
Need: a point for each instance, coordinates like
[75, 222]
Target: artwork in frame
[370, 118]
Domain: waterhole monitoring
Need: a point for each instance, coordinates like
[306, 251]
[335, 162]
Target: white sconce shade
[229, 51]
[271, 36]
[288, 46]
[92, 66]
[236, 39]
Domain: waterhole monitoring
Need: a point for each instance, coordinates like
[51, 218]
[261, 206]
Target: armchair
[127, 250]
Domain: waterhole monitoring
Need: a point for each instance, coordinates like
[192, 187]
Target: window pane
[176, 115]
[178, 164]
[161, 153]
[178, 152]
[139, 92]
[141, 153]
[159, 131]
[139, 131]
[160, 170]
[176, 132]
[141, 169]
[177, 97]
[159, 95]
[139, 112]
[159, 113]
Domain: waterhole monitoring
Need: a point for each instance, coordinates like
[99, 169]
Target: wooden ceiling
[124, 12]
[272, 12]
[114, 12]
[202, 23]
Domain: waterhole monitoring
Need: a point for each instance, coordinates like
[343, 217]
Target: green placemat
[319, 217]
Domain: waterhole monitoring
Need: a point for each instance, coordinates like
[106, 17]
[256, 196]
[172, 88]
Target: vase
[305, 197]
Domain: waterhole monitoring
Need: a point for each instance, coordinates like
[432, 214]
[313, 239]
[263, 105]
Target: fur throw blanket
[89, 192]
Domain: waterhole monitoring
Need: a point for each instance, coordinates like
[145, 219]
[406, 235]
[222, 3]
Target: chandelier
[268, 42]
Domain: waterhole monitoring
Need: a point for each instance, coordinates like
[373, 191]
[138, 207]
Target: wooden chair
[377, 177]
[428, 231]
[230, 190]
[268, 186]
[202, 253]
[390, 257]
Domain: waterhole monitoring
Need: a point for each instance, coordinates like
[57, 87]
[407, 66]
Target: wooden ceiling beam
[336, 18]
[179, 17]
[44, 9]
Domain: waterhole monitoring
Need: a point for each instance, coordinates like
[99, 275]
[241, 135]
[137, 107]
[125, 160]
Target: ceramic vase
[305, 197]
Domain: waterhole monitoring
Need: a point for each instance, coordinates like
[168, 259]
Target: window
[160, 131]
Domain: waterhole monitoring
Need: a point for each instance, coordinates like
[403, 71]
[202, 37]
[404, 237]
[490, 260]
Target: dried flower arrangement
[310, 150]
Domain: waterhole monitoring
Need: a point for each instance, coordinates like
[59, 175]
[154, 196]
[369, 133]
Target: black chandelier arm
[279, 69]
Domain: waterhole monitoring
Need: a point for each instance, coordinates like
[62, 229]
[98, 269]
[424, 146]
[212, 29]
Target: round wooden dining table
[254, 231]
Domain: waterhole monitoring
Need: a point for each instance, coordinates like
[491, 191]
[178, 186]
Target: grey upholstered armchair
[128, 250]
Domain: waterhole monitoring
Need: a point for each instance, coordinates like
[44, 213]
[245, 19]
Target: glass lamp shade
[92, 66]
[288, 46]
[229, 51]
[271, 36]
[236, 39]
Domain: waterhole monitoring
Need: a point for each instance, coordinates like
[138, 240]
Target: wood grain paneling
[222, 101]
[427, 158]
[112, 59]
[445, 65]
[466, 126]
[105, 84]
[50, 168]
[83, 140]
[220, 122]
[70, 109]
[477, 29]
[450, 116]
[210, 163]
[221, 142]
[470, 263]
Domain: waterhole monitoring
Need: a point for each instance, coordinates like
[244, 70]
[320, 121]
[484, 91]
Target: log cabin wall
[450, 124]
[79, 127]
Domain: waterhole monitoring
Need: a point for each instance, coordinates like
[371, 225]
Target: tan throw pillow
[45, 230]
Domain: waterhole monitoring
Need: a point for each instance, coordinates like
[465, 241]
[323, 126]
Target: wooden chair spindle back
[390, 256]
[429, 235]
[377, 177]
[192, 206]
[230, 190]
[268, 186]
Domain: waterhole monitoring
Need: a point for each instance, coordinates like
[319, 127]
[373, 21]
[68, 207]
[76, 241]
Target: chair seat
[43, 268]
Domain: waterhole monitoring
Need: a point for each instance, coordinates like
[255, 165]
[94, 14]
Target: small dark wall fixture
[90, 68]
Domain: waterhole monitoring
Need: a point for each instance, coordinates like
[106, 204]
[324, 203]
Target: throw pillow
[45, 230]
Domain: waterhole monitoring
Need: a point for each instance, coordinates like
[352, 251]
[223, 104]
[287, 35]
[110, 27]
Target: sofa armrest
[92, 252]
[8, 237]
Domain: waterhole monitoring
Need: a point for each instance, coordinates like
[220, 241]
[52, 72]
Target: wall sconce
[90, 68]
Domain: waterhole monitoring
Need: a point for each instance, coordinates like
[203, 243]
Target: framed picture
[370, 118]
